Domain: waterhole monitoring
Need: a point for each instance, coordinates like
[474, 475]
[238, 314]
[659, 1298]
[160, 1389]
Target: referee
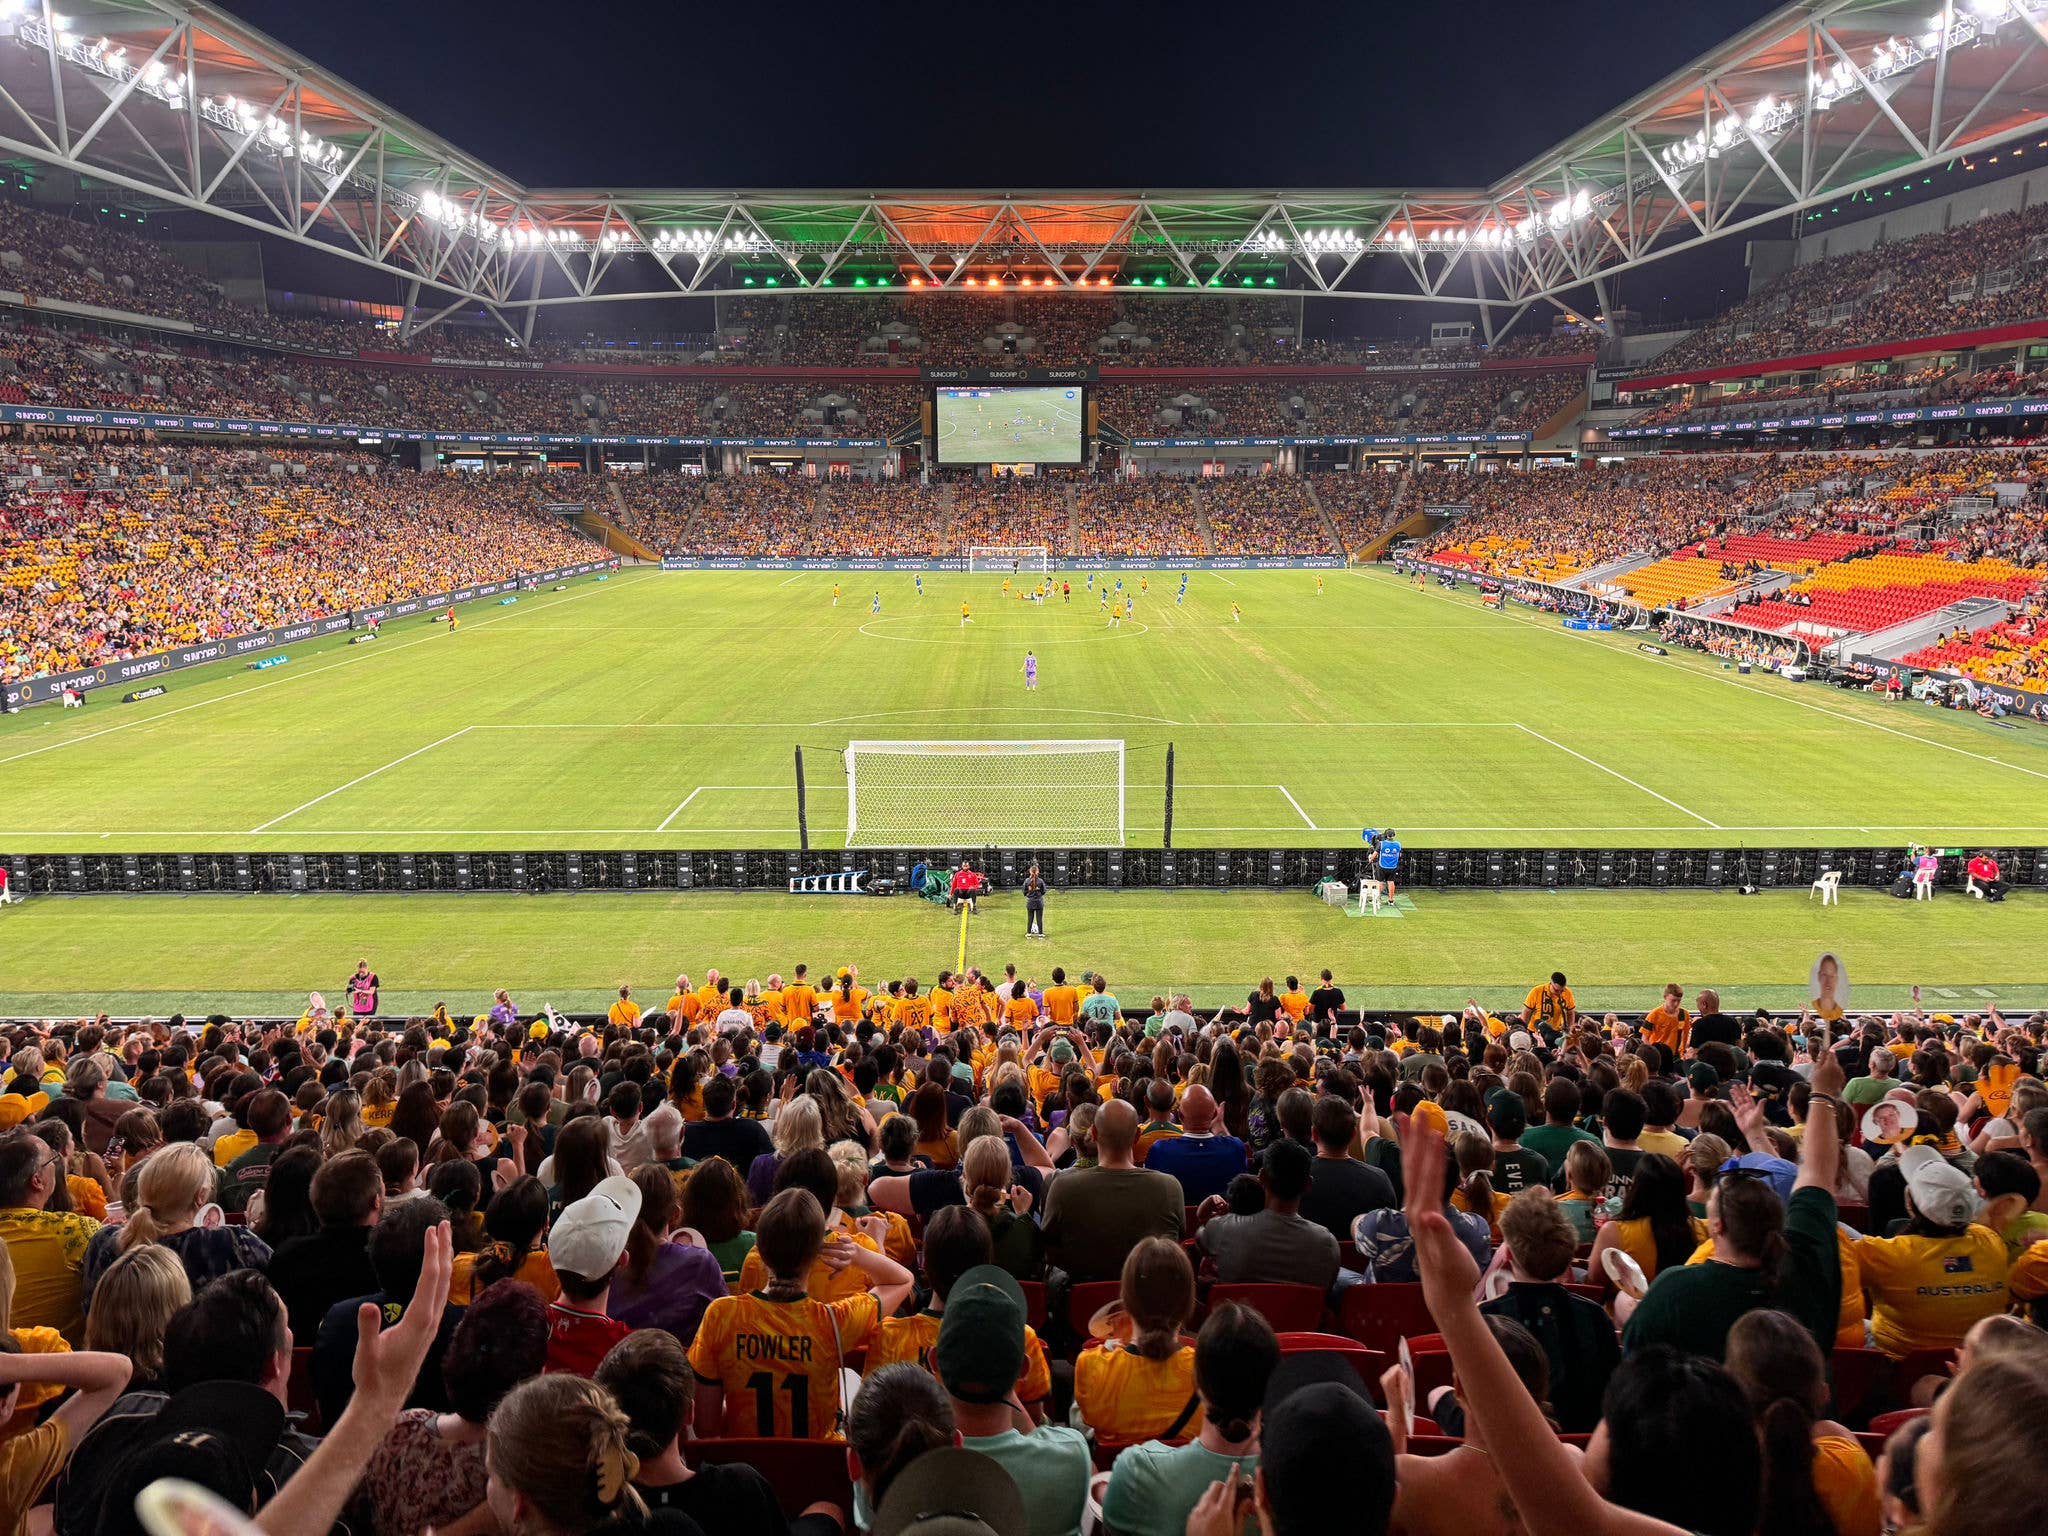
[1034, 904]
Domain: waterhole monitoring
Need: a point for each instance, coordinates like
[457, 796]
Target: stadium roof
[188, 107]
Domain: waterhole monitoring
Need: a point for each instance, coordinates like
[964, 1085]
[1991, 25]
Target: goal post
[1009, 559]
[908, 794]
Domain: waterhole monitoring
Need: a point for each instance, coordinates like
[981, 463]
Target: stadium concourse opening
[741, 809]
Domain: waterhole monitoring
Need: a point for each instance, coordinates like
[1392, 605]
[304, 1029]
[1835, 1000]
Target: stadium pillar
[803, 825]
[1167, 835]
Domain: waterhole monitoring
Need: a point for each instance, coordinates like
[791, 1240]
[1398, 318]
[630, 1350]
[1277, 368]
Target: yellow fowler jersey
[911, 1340]
[1126, 1398]
[916, 1012]
[1021, 1012]
[1925, 1292]
[779, 1361]
[799, 1002]
[1550, 1007]
[1062, 1004]
[766, 1007]
[970, 1007]
[941, 1001]
[847, 1006]
[1296, 1004]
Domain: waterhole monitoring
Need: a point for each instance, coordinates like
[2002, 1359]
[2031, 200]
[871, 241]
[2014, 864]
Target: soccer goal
[903, 794]
[1008, 559]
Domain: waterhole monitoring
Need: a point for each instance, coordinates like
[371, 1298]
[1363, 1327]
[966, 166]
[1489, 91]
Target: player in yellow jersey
[1319, 584]
[1142, 1387]
[835, 594]
[1236, 614]
[965, 617]
[1006, 586]
[1144, 584]
[956, 1249]
[768, 1363]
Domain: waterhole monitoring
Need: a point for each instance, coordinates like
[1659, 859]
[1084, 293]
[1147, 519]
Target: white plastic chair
[1971, 887]
[1830, 887]
[1923, 885]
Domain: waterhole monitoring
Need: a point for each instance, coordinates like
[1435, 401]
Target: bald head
[1198, 1110]
[1116, 1132]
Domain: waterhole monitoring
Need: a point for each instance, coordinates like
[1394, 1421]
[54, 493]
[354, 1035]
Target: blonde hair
[341, 1122]
[799, 1126]
[169, 1188]
[133, 1303]
[1587, 1167]
[1988, 1422]
[559, 1442]
[985, 1175]
[850, 1159]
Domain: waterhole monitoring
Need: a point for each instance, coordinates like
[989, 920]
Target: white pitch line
[1223, 578]
[1297, 808]
[799, 576]
[1707, 677]
[346, 661]
[359, 778]
[693, 794]
[1618, 774]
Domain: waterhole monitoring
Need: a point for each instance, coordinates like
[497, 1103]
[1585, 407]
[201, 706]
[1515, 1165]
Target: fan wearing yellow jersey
[1142, 1386]
[956, 1241]
[768, 1363]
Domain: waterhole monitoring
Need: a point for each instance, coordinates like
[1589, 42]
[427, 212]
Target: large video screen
[1004, 424]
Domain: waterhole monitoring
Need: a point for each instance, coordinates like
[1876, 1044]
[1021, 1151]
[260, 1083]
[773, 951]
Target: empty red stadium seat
[1286, 1307]
[1380, 1316]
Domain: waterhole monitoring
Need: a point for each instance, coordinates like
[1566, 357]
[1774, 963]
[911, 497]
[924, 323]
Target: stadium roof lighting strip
[184, 106]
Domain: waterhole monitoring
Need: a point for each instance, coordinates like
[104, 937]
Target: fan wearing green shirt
[1553, 1139]
[1154, 1487]
[1768, 1251]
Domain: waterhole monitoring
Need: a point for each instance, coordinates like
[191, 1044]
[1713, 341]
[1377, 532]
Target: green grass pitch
[660, 709]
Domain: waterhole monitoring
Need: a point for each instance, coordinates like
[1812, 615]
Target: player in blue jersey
[920, 585]
[876, 605]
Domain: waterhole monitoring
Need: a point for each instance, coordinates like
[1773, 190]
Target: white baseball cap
[1520, 1041]
[1941, 1192]
[591, 1233]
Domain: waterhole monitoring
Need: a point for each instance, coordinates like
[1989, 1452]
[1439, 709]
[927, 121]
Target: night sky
[1048, 95]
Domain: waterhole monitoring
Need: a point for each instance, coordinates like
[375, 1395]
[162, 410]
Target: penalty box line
[1618, 774]
[358, 779]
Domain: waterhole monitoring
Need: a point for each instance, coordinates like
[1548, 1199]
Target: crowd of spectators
[109, 551]
[1026, 510]
[506, 1274]
[1263, 515]
[1895, 291]
[1366, 504]
[881, 518]
[1400, 404]
[1143, 515]
[1551, 524]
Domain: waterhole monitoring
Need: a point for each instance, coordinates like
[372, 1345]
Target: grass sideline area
[260, 954]
[660, 710]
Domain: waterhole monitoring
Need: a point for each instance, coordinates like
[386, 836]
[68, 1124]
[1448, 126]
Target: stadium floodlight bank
[1009, 558]
[984, 793]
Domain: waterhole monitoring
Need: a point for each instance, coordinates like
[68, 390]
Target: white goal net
[969, 793]
[1008, 558]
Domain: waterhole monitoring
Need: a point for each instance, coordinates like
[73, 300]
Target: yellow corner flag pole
[960, 963]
